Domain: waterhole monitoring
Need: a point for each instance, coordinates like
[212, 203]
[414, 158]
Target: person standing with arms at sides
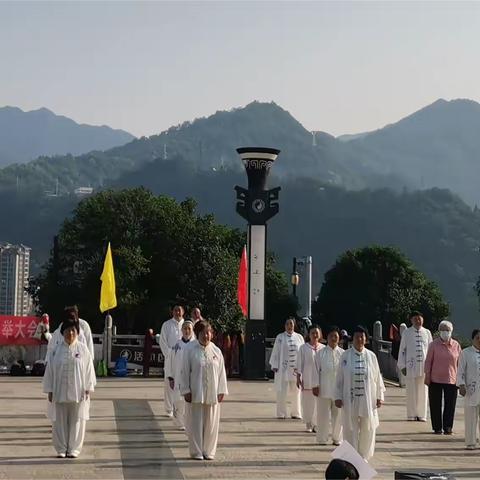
[411, 360]
[306, 373]
[170, 334]
[203, 384]
[69, 381]
[441, 367]
[360, 392]
[283, 361]
[469, 383]
[84, 336]
[173, 368]
[327, 361]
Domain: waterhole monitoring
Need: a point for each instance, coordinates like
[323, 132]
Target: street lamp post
[256, 204]
[295, 278]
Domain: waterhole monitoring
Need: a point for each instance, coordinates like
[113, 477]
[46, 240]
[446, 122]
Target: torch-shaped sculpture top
[257, 204]
[257, 161]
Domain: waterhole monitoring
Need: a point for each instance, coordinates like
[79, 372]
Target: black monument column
[256, 205]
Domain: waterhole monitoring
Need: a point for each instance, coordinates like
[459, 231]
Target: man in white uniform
[84, 336]
[170, 334]
[284, 363]
[327, 361]
[360, 392]
[173, 372]
[468, 380]
[411, 360]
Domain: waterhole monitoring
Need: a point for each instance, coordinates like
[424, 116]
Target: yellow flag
[108, 299]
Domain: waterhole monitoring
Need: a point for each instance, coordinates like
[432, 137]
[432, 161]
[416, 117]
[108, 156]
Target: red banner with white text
[18, 330]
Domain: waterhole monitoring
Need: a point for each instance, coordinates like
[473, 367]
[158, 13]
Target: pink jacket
[441, 363]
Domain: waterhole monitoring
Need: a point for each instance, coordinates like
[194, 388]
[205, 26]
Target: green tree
[164, 253]
[376, 283]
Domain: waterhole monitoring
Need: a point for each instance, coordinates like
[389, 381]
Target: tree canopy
[376, 283]
[164, 253]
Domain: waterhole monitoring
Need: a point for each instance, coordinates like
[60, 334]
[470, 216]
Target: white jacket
[469, 375]
[203, 373]
[413, 351]
[306, 364]
[284, 357]
[170, 334]
[327, 361]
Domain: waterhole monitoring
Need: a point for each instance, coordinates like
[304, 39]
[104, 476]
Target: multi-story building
[14, 273]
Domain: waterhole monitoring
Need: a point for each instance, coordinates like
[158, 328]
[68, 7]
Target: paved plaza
[128, 437]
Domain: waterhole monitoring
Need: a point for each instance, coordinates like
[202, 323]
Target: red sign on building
[18, 330]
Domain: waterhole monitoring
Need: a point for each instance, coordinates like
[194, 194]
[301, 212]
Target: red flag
[242, 286]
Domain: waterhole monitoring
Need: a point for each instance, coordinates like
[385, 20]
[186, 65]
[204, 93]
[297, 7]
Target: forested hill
[25, 136]
[438, 146]
[206, 143]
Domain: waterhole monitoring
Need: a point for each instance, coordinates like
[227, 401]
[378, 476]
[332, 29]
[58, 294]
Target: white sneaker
[61, 455]
[197, 457]
[470, 447]
[208, 457]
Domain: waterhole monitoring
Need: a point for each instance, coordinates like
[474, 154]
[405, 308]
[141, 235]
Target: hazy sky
[341, 67]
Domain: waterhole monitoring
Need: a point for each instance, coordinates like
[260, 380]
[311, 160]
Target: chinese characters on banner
[18, 330]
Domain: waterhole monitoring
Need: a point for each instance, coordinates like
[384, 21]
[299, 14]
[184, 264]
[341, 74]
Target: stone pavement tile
[129, 437]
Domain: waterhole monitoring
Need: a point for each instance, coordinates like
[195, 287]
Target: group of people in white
[195, 380]
[338, 392]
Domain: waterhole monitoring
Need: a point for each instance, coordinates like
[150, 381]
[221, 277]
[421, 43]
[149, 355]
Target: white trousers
[361, 437]
[178, 409]
[68, 430]
[168, 394]
[401, 377]
[288, 389]
[417, 397]
[328, 414]
[203, 423]
[471, 424]
[309, 404]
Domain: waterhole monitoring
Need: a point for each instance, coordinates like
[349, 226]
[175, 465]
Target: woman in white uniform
[360, 392]
[283, 361]
[327, 361]
[69, 381]
[468, 381]
[306, 375]
[203, 384]
[173, 370]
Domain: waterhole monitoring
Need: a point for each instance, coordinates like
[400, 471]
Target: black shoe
[437, 432]
[448, 432]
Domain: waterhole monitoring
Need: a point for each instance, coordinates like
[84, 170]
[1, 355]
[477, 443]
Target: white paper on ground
[346, 452]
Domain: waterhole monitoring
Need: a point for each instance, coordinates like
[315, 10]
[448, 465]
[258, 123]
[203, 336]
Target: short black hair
[312, 327]
[360, 329]
[474, 333]
[416, 313]
[333, 328]
[69, 323]
[341, 469]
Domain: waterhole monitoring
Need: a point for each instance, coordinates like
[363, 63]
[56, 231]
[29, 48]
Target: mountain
[206, 143]
[437, 146]
[28, 135]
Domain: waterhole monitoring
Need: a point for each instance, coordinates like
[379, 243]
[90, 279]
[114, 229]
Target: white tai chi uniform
[308, 372]
[401, 377]
[84, 336]
[203, 375]
[327, 361]
[68, 375]
[469, 375]
[170, 334]
[412, 354]
[359, 385]
[284, 359]
[173, 369]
